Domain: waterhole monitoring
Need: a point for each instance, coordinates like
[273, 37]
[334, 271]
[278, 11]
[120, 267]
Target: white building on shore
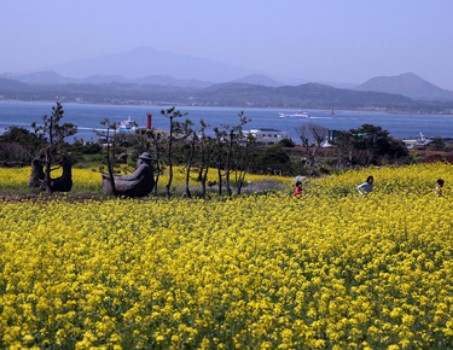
[267, 135]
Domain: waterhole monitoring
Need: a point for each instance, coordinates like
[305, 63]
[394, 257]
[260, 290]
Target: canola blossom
[330, 270]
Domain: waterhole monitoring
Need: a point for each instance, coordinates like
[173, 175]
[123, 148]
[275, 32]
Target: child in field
[367, 186]
[298, 190]
[440, 185]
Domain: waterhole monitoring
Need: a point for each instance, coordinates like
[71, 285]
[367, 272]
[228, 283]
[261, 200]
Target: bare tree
[205, 157]
[242, 158]
[344, 143]
[219, 146]
[312, 136]
[234, 134]
[188, 133]
[175, 128]
[159, 143]
[109, 134]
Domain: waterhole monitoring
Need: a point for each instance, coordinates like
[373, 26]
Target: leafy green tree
[274, 160]
[437, 144]
[370, 144]
[18, 144]
[287, 143]
[367, 140]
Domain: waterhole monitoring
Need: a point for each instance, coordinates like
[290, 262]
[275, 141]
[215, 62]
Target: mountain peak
[145, 61]
[407, 84]
[258, 79]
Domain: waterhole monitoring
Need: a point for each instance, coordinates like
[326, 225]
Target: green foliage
[52, 129]
[437, 144]
[18, 145]
[274, 159]
[287, 143]
[89, 148]
[370, 144]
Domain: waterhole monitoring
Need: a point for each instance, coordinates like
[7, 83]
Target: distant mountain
[39, 78]
[409, 85]
[11, 85]
[166, 80]
[258, 79]
[103, 79]
[52, 78]
[339, 85]
[305, 96]
[311, 95]
[144, 61]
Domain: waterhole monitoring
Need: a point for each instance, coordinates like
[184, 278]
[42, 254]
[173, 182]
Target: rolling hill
[409, 85]
[233, 94]
[311, 95]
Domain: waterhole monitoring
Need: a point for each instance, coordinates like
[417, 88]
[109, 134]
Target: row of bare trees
[227, 148]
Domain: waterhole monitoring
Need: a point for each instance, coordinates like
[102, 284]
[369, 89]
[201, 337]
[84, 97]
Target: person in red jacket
[298, 191]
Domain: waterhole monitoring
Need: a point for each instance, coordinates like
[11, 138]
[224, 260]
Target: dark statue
[138, 184]
[37, 173]
[59, 184]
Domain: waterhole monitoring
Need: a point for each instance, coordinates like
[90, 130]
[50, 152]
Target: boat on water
[421, 141]
[298, 114]
[128, 125]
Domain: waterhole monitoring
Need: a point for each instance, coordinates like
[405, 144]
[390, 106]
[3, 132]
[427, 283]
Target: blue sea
[89, 116]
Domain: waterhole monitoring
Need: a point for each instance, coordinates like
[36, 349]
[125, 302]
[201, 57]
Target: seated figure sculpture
[138, 184]
[37, 173]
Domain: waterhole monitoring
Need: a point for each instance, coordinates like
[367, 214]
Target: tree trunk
[48, 171]
[189, 166]
[170, 160]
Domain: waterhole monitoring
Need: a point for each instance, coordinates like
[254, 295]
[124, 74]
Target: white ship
[127, 125]
[417, 142]
[298, 114]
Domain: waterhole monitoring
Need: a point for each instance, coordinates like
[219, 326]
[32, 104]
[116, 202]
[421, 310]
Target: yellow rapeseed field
[330, 270]
[89, 180]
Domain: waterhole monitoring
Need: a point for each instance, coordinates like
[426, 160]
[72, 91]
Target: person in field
[367, 186]
[298, 190]
[439, 187]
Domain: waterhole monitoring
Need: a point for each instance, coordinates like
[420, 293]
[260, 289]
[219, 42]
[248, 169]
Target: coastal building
[267, 135]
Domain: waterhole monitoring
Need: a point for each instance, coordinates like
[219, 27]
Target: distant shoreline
[239, 107]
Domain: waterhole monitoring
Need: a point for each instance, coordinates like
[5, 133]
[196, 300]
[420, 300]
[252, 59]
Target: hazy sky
[316, 40]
